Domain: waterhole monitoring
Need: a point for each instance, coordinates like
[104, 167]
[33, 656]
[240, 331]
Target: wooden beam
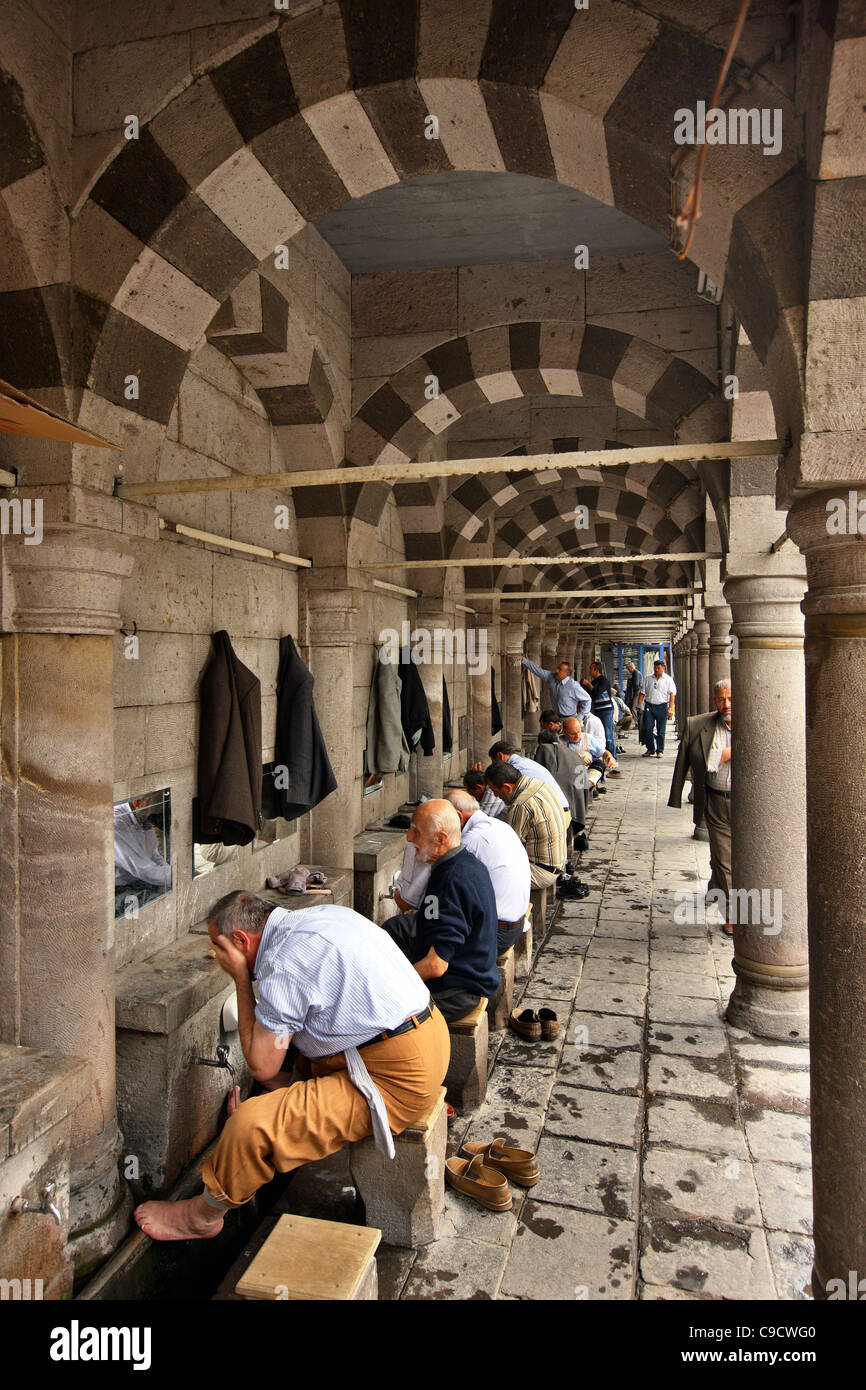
[210, 539]
[526, 595]
[453, 468]
[577, 558]
[397, 588]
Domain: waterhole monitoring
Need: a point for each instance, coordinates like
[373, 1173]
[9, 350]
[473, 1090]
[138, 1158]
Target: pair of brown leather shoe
[535, 1027]
[483, 1170]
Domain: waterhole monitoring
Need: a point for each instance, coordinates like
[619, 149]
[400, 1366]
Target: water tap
[46, 1207]
[221, 1060]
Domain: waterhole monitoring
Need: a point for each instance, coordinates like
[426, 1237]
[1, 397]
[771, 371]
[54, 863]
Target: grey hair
[240, 910]
[720, 685]
[463, 801]
[441, 815]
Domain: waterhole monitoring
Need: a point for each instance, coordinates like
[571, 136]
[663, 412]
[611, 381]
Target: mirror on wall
[142, 851]
[274, 827]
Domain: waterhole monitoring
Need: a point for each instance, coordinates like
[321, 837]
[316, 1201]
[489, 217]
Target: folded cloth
[296, 880]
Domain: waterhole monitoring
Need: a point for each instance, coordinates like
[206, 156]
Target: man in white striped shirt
[376, 1049]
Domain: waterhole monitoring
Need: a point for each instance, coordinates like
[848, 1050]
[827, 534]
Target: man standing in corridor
[705, 747]
[657, 699]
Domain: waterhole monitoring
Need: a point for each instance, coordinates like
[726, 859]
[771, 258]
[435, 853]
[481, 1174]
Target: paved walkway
[674, 1150]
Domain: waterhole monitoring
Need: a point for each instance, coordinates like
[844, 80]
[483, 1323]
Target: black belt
[548, 868]
[414, 1022]
[717, 791]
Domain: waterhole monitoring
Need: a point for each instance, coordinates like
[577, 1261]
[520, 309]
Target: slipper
[549, 1023]
[486, 1185]
[526, 1025]
[520, 1165]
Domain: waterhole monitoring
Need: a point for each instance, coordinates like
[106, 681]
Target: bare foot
[233, 1100]
[192, 1219]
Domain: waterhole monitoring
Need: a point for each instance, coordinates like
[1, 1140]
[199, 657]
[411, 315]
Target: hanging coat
[299, 745]
[447, 740]
[415, 712]
[495, 716]
[229, 804]
[386, 749]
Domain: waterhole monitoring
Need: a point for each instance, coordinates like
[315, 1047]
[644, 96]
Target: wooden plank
[311, 1259]
[516, 561]
[454, 468]
[527, 594]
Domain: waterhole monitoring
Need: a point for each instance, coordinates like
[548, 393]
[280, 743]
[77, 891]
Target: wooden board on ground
[304, 1258]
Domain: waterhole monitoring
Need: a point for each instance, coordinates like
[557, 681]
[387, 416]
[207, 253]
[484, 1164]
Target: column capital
[765, 593]
[514, 636]
[69, 581]
[835, 558]
[702, 635]
[330, 617]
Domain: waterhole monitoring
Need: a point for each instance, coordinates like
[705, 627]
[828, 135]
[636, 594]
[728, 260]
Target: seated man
[475, 785]
[536, 816]
[549, 722]
[505, 752]
[505, 859]
[569, 769]
[451, 939]
[590, 748]
[378, 1050]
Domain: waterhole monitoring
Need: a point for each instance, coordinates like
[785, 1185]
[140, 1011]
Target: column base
[778, 1013]
[100, 1203]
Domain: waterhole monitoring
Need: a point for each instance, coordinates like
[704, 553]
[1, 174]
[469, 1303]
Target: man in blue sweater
[451, 939]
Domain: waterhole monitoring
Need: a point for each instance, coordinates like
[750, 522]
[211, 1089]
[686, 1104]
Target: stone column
[694, 700]
[533, 651]
[702, 632]
[431, 774]
[835, 649]
[487, 626]
[685, 679]
[768, 807]
[329, 622]
[60, 602]
[513, 638]
[549, 651]
[719, 618]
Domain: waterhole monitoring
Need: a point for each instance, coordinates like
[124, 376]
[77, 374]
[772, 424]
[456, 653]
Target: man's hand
[432, 967]
[670, 714]
[725, 756]
[231, 959]
[587, 758]
[476, 767]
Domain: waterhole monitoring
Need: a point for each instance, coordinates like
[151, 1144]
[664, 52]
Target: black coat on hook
[299, 746]
[228, 808]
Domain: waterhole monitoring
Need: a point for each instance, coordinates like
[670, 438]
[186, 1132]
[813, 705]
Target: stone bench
[466, 1078]
[523, 949]
[538, 900]
[404, 1197]
[310, 1260]
[500, 1006]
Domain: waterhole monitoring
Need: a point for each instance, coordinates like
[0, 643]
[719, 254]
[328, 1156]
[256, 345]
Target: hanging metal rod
[453, 468]
[507, 562]
[527, 595]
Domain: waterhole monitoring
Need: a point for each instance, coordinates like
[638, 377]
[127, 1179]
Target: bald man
[503, 856]
[452, 938]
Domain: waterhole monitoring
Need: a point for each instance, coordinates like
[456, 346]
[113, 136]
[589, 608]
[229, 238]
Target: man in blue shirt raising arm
[567, 696]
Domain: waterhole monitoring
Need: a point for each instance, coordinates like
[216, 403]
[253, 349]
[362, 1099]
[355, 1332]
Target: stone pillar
[533, 651]
[719, 618]
[685, 679]
[60, 602]
[513, 638]
[329, 620]
[768, 807]
[431, 775]
[694, 700]
[702, 633]
[487, 625]
[835, 650]
[549, 651]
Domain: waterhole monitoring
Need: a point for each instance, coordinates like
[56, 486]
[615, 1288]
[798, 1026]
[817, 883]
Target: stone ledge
[376, 846]
[159, 994]
[37, 1090]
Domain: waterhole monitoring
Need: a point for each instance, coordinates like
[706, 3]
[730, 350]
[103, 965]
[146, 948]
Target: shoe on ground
[601, 790]
[581, 842]
[647, 754]
[614, 772]
[472, 1177]
[526, 1025]
[658, 755]
[520, 1165]
[549, 1024]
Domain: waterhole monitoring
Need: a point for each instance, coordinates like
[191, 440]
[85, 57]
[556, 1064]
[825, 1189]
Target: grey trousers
[717, 814]
[451, 1003]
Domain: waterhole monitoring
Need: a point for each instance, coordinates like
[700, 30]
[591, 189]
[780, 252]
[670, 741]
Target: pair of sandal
[482, 1171]
[535, 1027]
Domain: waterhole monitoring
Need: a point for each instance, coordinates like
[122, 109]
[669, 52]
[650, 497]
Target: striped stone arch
[331, 105]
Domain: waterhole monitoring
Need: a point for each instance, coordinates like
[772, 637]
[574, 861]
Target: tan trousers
[296, 1124]
[540, 878]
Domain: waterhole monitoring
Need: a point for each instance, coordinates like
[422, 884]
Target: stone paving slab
[594, 997]
[684, 1041]
[467, 1219]
[791, 1260]
[680, 1184]
[610, 948]
[691, 985]
[457, 1269]
[617, 971]
[575, 1112]
[624, 931]
[665, 1007]
[706, 1077]
[603, 1069]
[709, 1126]
[518, 1051]
[604, 1030]
[700, 1257]
[562, 1254]
[786, 1196]
[590, 1176]
[775, 1088]
[775, 1134]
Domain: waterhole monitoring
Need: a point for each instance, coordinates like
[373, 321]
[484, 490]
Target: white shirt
[594, 730]
[658, 692]
[502, 854]
[412, 878]
[333, 979]
[136, 851]
[530, 768]
[719, 773]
